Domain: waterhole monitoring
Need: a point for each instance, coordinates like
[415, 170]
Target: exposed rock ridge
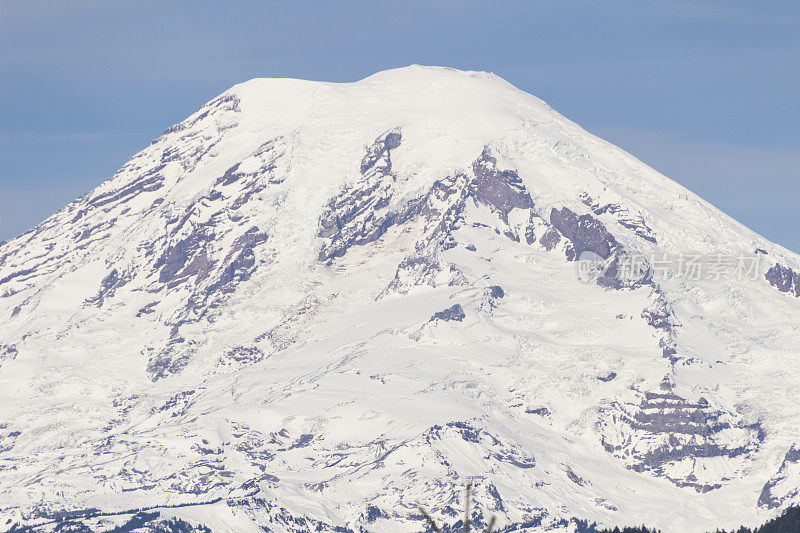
[784, 279]
[779, 489]
[628, 220]
[672, 437]
[359, 214]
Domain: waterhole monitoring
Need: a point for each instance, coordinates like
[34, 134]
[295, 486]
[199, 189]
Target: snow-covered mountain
[313, 306]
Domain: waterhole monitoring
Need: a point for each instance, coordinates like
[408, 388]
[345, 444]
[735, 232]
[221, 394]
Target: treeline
[143, 521]
[788, 522]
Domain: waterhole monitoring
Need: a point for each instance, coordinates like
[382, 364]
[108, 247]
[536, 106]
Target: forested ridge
[788, 522]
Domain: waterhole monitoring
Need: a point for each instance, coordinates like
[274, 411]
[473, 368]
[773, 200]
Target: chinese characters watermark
[662, 266]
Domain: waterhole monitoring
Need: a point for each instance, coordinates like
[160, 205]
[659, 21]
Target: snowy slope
[317, 305]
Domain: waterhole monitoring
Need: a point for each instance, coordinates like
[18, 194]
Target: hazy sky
[706, 92]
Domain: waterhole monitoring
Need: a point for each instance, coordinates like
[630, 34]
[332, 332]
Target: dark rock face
[353, 218]
[269, 154]
[609, 377]
[576, 479]
[148, 182]
[380, 148]
[784, 279]
[469, 433]
[530, 236]
[669, 350]
[668, 412]
[17, 274]
[109, 285]
[7, 352]
[189, 260]
[615, 268]
[421, 269]
[441, 212]
[238, 264]
[496, 291]
[442, 208]
[627, 220]
[187, 257]
[373, 513]
[660, 316]
[362, 213]
[671, 429]
[502, 190]
[550, 239]
[768, 498]
[170, 360]
[541, 411]
[146, 310]
[623, 272]
[586, 233]
[245, 354]
[454, 313]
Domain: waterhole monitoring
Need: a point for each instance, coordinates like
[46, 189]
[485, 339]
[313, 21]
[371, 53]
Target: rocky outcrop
[784, 279]
[589, 241]
[586, 233]
[780, 490]
[631, 221]
[625, 271]
[7, 352]
[149, 181]
[672, 437]
[238, 264]
[451, 314]
[550, 239]
[660, 316]
[501, 190]
[245, 180]
[496, 291]
[108, 287]
[359, 214]
[187, 257]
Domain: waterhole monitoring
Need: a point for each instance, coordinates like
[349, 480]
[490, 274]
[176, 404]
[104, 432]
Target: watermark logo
[692, 267]
[591, 267]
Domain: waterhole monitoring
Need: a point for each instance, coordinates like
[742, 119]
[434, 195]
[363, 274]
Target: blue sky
[706, 92]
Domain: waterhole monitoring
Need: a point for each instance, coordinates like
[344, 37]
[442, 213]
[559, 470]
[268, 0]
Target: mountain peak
[320, 305]
[397, 76]
[430, 73]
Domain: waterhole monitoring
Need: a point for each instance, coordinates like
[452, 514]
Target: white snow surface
[236, 328]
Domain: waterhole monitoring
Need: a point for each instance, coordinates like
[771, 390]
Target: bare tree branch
[431, 523]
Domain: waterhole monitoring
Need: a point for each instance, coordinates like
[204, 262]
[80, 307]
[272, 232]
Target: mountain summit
[318, 306]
